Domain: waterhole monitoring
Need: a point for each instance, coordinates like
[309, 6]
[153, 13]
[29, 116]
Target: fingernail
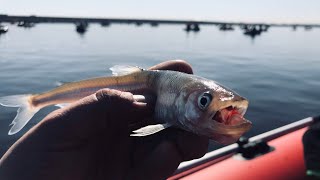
[139, 98]
[140, 104]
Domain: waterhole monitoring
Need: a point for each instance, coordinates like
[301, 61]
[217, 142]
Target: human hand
[90, 140]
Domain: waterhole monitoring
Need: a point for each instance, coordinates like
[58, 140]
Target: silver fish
[190, 102]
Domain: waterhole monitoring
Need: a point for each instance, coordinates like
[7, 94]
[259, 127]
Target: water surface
[278, 71]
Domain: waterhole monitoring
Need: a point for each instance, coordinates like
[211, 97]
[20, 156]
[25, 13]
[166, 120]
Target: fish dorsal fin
[119, 70]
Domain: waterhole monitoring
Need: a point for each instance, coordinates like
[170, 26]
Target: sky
[272, 11]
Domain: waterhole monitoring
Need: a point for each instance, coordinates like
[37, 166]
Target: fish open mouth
[231, 116]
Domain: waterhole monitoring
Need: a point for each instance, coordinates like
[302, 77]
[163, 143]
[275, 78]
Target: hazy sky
[303, 11]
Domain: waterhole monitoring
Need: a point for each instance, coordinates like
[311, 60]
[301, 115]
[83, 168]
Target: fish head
[215, 111]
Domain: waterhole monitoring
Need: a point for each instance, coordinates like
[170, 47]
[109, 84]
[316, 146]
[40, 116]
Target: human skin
[90, 140]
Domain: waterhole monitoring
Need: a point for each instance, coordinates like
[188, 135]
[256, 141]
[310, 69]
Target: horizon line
[171, 19]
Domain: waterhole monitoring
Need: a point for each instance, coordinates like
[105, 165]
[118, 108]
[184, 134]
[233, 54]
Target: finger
[161, 153]
[191, 146]
[174, 65]
[160, 163]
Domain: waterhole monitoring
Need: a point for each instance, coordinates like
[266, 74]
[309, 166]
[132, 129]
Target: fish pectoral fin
[151, 129]
[119, 70]
[62, 105]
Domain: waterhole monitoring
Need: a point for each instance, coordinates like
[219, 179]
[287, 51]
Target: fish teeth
[244, 110]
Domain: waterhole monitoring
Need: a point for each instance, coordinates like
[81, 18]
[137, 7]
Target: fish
[186, 101]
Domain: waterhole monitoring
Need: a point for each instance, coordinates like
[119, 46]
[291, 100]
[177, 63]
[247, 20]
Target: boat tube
[276, 154]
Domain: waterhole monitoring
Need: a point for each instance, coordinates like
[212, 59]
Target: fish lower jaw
[228, 130]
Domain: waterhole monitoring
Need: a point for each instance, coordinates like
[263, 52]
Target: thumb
[104, 113]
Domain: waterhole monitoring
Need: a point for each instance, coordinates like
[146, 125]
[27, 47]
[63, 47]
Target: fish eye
[204, 100]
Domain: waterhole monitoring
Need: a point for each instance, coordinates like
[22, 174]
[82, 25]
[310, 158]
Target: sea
[277, 71]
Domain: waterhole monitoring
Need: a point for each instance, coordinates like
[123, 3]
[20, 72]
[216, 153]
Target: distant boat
[138, 23]
[253, 31]
[196, 28]
[26, 24]
[264, 28]
[244, 26]
[294, 27]
[307, 28]
[105, 23]
[81, 27]
[3, 29]
[226, 27]
[192, 27]
[154, 24]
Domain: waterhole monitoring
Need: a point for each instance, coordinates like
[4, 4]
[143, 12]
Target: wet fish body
[190, 102]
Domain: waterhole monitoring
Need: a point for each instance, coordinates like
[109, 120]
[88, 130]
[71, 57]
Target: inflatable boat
[277, 154]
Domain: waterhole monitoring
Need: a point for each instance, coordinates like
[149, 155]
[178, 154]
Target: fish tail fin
[24, 113]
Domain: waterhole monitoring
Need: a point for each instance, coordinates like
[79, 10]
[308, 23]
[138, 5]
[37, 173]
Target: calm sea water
[278, 71]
